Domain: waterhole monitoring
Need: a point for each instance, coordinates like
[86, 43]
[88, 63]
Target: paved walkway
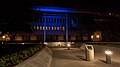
[76, 57]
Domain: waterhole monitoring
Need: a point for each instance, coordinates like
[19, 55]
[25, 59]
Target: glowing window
[57, 28]
[37, 27]
[60, 28]
[63, 28]
[43, 28]
[34, 27]
[52, 28]
[40, 27]
[49, 28]
[46, 28]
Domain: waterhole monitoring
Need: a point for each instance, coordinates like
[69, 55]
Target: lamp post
[108, 56]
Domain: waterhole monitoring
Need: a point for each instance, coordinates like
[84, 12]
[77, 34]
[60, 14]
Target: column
[44, 28]
[66, 28]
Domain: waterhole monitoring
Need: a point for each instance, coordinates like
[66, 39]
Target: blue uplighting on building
[52, 9]
[56, 24]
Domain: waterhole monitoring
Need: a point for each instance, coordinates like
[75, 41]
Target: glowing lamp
[23, 43]
[45, 43]
[68, 45]
[108, 56]
[92, 36]
[97, 36]
[108, 52]
[3, 37]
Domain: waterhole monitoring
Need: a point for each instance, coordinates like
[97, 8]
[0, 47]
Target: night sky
[14, 14]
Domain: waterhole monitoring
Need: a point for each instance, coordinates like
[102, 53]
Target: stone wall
[41, 59]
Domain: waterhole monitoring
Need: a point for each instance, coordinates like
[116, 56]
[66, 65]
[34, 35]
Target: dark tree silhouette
[17, 16]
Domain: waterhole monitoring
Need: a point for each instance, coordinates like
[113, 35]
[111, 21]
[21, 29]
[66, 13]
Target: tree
[17, 16]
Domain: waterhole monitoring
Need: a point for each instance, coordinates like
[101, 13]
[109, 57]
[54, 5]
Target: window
[54, 20]
[47, 20]
[41, 28]
[61, 20]
[47, 28]
[57, 28]
[34, 27]
[37, 27]
[52, 28]
[60, 28]
[63, 28]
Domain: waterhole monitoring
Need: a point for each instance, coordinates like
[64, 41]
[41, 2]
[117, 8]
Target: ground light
[68, 45]
[23, 43]
[108, 56]
[45, 43]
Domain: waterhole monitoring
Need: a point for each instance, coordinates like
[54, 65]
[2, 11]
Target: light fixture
[92, 36]
[3, 37]
[108, 52]
[97, 36]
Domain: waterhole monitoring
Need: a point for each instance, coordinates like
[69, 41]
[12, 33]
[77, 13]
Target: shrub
[15, 58]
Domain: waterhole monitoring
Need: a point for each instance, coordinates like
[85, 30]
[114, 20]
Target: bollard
[68, 45]
[108, 57]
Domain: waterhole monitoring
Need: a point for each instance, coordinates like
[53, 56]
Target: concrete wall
[41, 59]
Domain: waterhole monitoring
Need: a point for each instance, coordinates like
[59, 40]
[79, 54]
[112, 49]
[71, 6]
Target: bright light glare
[23, 43]
[68, 45]
[92, 36]
[97, 36]
[108, 52]
[45, 43]
[58, 42]
[3, 37]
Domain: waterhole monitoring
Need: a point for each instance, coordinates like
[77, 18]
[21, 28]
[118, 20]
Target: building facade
[55, 25]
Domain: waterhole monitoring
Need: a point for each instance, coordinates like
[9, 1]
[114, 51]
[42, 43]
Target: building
[55, 25]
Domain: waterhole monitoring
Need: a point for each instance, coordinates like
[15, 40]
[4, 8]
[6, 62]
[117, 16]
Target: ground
[75, 57]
